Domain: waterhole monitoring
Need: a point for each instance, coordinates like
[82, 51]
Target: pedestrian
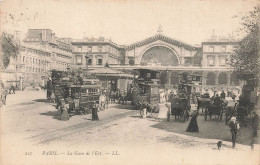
[255, 127]
[234, 127]
[13, 89]
[234, 96]
[193, 125]
[95, 111]
[64, 111]
[102, 101]
[144, 107]
[49, 89]
[255, 123]
[223, 95]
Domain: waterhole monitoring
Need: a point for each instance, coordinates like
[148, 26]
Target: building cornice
[162, 38]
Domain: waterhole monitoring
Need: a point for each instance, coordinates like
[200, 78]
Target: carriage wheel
[205, 114]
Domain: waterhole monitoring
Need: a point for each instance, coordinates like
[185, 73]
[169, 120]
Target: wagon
[215, 108]
[203, 102]
[82, 97]
[180, 107]
[144, 92]
[246, 104]
[148, 99]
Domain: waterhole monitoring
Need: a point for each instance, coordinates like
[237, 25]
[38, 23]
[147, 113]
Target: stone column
[228, 79]
[204, 79]
[216, 82]
[168, 73]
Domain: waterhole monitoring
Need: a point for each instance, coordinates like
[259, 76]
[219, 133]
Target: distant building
[96, 52]
[40, 52]
[216, 61]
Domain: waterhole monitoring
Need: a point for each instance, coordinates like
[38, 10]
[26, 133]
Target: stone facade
[40, 52]
[93, 53]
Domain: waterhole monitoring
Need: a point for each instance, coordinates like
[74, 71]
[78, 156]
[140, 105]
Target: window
[79, 60]
[187, 61]
[222, 60]
[79, 49]
[89, 62]
[33, 60]
[23, 58]
[211, 49]
[99, 48]
[210, 61]
[148, 75]
[90, 49]
[99, 62]
[157, 75]
[223, 48]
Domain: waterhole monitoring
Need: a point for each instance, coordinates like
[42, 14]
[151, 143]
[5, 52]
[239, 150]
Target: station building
[170, 56]
[41, 51]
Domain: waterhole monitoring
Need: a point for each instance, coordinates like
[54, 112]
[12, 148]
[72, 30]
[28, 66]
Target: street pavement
[28, 122]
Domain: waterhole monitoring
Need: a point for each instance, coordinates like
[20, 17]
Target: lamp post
[68, 69]
[87, 57]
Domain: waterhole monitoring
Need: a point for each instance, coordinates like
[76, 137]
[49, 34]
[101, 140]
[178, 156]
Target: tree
[245, 59]
[10, 49]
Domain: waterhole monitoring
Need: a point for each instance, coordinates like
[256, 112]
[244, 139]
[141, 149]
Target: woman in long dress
[94, 111]
[193, 126]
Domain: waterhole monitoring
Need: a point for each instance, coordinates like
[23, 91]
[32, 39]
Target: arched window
[222, 78]
[211, 79]
[233, 79]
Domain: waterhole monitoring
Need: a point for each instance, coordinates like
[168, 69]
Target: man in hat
[255, 123]
[234, 126]
[95, 107]
[49, 89]
[255, 127]
[223, 95]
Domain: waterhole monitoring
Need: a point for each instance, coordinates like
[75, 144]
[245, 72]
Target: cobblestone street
[33, 121]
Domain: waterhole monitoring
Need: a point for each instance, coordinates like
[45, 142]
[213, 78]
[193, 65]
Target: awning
[107, 72]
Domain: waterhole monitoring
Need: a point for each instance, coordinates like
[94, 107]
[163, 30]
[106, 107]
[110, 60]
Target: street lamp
[87, 57]
[68, 69]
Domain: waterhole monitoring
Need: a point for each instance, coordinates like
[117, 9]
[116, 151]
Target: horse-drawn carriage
[215, 107]
[144, 92]
[246, 104]
[83, 96]
[180, 103]
[203, 102]
[80, 93]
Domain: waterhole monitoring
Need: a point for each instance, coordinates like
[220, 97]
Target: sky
[126, 21]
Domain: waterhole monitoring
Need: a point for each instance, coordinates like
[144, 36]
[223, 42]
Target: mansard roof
[162, 38]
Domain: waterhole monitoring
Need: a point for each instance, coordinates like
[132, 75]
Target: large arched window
[161, 56]
[233, 79]
[222, 78]
[211, 79]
